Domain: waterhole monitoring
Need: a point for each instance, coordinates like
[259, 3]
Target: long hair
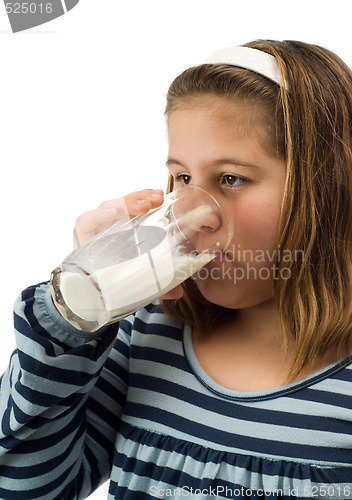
[309, 125]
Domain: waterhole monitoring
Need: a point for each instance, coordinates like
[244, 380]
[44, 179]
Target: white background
[81, 110]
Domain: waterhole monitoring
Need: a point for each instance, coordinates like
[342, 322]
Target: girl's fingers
[142, 201]
[94, 221]
[136, 203]
[91, 223]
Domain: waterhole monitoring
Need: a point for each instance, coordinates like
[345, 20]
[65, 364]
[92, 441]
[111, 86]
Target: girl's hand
[94, 221]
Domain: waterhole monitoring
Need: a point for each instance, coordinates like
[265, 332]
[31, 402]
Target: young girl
[237, 384]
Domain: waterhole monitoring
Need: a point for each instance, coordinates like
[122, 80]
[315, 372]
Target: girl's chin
[217, 293]
[226, 294]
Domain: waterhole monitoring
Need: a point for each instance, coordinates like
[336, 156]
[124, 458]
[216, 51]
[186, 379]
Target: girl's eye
[184, 179]
[233, 181]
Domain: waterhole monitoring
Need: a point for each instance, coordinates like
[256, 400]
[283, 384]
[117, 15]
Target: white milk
[114, 292]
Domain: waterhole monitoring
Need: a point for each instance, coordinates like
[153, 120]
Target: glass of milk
[137, 260]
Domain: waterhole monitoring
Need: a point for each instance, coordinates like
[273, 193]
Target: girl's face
[220, 147]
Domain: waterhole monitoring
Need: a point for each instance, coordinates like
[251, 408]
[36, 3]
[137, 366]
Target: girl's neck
[245, 352]
[259, 324]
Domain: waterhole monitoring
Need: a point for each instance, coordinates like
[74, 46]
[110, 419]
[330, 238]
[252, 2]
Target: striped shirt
[132, 403]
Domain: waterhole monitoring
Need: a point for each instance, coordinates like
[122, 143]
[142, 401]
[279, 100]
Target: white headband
[248, 58]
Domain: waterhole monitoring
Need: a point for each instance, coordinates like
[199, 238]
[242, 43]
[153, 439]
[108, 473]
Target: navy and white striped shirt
[132, 403]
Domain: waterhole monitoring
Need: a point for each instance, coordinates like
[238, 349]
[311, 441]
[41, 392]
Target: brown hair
[312, 124]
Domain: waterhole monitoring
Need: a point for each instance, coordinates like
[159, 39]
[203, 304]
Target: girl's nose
[204, 219]
[200, 219]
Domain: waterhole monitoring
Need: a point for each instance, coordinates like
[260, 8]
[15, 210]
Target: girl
[237, 384]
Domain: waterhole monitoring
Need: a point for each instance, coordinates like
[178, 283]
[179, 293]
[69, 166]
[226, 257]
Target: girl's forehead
[242, 118]
[234, 112]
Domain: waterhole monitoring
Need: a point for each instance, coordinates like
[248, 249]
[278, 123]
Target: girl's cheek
[256, 228]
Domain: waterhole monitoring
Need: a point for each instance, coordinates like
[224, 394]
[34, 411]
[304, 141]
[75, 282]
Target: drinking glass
[137, 260]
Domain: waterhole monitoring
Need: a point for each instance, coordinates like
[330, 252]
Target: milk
[116, 291]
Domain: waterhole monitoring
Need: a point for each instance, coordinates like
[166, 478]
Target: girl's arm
[58, 425]
[64, 390]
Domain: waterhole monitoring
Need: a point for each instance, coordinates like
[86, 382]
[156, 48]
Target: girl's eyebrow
[171, 161]
[216, 163]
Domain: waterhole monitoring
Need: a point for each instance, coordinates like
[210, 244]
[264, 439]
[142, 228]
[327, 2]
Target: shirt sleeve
[61, 399]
